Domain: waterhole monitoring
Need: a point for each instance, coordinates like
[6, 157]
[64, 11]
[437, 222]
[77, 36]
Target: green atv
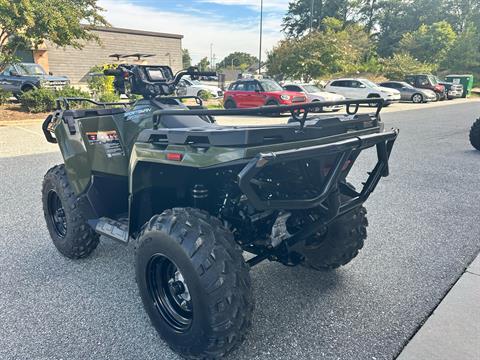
[475, 134]
[194, 196]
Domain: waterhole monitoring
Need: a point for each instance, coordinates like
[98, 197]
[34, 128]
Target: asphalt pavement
[424, 231]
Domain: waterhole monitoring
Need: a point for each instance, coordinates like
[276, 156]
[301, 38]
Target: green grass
[214, 106]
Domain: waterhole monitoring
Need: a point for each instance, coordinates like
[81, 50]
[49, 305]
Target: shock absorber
[200, 196]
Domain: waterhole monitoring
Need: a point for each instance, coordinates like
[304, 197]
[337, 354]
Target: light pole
[311, 14]
[211, 56]
[261, 33]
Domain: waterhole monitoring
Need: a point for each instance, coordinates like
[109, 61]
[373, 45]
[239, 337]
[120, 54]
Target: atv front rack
[299, 112]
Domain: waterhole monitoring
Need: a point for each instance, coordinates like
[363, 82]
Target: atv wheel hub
[169, 292]
[57, 214]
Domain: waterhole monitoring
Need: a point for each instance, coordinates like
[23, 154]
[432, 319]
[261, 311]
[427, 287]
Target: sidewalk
[453, 330]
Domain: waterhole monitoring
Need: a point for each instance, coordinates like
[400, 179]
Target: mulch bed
[12, 112]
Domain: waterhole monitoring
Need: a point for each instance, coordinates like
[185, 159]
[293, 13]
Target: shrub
[204, 95]
[70, 91]
[43, 100]
[401, 64]
[4, 96]
[38, 100]
[98, 83]
[108, 98]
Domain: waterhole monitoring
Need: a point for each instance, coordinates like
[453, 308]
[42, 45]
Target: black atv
[194, 196]
[475, 134]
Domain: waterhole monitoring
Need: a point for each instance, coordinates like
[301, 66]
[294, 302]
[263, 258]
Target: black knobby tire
[70, 233]
[475, 134]
[216, 278]
[229, 104]
[339, 245]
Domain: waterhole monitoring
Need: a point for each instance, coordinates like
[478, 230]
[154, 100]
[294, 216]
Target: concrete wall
[76, 63]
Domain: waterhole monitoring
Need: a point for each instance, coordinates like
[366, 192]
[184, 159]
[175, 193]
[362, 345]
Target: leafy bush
[399, 65]
[109, 98]
[4, 96]
[70, 91]
[204, 95]
[43, 100]
[38, 100]
[99, 83]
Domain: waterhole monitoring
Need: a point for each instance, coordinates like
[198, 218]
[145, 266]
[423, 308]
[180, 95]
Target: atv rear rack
[343, 150]
[329, 200]
[299, 112]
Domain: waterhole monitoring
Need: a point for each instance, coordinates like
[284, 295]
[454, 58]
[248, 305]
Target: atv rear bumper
[329, 196]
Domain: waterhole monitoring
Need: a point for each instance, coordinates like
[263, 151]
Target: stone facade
[76, 63]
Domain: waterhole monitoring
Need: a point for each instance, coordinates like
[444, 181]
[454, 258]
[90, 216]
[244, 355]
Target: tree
[443, 32]
[299, 16]
[464, 54]
[429, 42]
[238, 60]
[462, 13]
[203, 64]
[29, 23]
[335, 49]
[186, 58]
[401, 64]
[368, 13]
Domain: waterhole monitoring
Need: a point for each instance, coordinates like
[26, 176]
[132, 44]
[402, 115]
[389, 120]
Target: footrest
[111, 228]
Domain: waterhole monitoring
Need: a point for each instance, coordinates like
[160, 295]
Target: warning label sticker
[109, 140]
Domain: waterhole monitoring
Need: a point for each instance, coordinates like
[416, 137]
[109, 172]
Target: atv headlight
[285, 97]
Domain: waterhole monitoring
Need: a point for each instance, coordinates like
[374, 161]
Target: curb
[452, 330]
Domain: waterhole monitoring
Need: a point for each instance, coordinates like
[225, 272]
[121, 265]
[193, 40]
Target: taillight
[174, 156]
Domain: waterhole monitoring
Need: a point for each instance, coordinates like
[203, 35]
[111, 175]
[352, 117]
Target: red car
[251, 93]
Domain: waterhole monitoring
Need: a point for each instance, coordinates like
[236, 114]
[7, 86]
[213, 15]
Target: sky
[230, 25]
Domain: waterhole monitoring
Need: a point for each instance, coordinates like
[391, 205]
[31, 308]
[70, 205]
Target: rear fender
[155, 187]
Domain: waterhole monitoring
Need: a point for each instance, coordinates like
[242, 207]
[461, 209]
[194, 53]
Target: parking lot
[424, 230]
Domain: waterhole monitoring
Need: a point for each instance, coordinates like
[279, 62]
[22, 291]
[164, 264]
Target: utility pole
[312, 3]
[261, 33]
[211, 56]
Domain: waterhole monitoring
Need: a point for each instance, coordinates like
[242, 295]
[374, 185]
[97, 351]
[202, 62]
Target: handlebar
[141, 83]
[112, 72]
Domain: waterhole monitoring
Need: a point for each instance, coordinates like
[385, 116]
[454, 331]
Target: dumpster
[465, 80]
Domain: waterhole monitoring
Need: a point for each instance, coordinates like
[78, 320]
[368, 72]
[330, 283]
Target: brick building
[76, 63]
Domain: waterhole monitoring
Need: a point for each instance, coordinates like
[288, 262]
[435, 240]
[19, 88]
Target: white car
[189, 87]
[314, 94]
[361, 89]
